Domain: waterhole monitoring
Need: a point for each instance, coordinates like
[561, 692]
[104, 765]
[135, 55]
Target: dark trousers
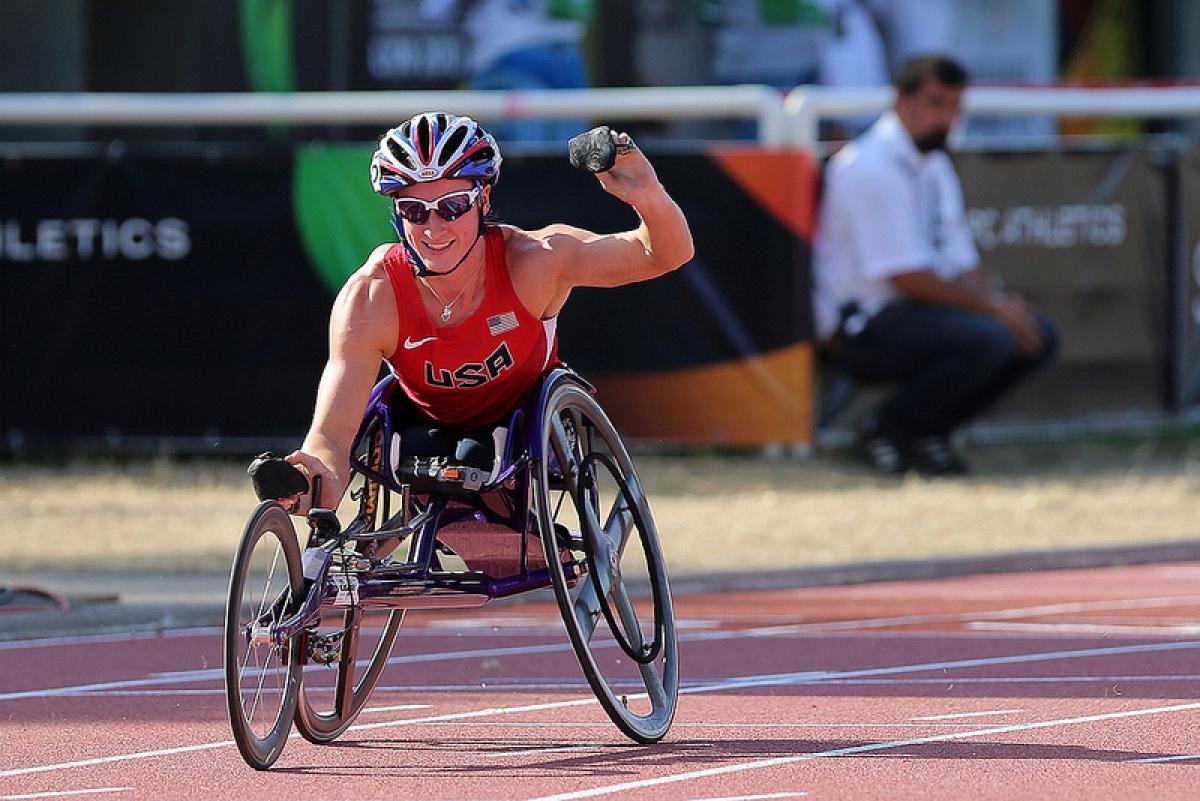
[951, 365]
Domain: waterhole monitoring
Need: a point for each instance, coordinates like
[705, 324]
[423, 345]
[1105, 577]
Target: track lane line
[761, 797]
[994, 614]
[744, 682]
[1103, 629]
[63, 793]
[857, 749]
[956, 715]
[214, 674]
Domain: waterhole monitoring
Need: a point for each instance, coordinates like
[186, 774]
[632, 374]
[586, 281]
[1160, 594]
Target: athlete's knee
[1051, 341]
[985, 340]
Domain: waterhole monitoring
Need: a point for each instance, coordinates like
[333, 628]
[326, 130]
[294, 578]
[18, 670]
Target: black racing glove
[595, 150]
[273, 478]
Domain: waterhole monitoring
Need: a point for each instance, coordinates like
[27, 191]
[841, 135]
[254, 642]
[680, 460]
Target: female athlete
[464, 311]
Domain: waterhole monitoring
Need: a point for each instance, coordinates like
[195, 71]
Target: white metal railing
[760, 103]
[784, 121]
[805, 106]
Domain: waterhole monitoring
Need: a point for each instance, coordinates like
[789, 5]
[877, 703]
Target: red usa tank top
[476, 372]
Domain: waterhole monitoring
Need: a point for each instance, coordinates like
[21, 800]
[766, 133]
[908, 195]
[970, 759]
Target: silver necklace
[446, 307]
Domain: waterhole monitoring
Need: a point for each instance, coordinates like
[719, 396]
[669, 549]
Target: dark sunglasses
[449, 207]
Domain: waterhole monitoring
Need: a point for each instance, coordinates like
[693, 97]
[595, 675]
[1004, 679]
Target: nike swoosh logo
[409, 344]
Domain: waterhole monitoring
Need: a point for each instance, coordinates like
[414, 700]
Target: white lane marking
[857, 749]
[124, 636]
[1011, 680]
[1150, 760]
[397, 708]
[555, 750]
[475, 713]
[84, 763]
[955, 715]
[195, 631]
[61, 793]
[1107, 629]
[996, 614]
[500, 710]
[156, 693]
[83, 639]
[1040, 656]
[107, 685]
[215, 674]
[752, 797]
[567, 724]
[744, 682]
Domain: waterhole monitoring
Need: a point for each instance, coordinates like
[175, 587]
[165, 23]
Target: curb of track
[918, 569]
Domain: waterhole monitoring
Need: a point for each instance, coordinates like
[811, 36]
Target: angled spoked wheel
[262, 679]
[345, 657]
[590, 502]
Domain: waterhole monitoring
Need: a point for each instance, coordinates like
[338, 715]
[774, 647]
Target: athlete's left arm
[661, 243]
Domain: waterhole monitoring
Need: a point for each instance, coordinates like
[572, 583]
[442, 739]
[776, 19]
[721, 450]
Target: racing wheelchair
[562, 507]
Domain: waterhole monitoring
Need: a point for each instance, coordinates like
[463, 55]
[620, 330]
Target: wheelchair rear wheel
[590, 502]
[345, 660]
[262, 679]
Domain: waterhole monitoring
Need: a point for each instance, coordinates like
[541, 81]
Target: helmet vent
[452, 143]
[424, 138]
[483, 154]
[399, 154]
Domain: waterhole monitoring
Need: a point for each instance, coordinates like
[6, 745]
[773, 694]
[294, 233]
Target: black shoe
[935, 456]
[884, 454]
[882, 451]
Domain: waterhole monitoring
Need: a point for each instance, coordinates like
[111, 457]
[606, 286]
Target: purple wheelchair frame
[422, 582]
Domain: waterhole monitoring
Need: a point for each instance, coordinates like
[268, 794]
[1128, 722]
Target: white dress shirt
[886, 209]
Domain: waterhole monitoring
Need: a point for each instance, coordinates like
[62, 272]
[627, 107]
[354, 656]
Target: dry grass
[714, 512]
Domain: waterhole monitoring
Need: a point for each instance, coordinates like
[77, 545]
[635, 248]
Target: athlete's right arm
[363, 328]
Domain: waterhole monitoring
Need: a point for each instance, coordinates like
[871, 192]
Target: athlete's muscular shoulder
[364, 314]
[538, 261]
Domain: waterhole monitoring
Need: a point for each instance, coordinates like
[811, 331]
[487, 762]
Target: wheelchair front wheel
[262, 678]
[590, 503]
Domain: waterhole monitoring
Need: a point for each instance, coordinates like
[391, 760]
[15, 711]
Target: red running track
[1071, 684]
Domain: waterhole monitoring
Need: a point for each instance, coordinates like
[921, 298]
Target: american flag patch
[499, 323]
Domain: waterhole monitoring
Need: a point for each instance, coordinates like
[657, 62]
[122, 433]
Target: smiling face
[439, 242]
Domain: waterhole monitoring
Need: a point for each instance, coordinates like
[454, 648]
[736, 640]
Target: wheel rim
[624, 638]
[260, 676]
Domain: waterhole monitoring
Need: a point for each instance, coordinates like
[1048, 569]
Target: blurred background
[183, 188]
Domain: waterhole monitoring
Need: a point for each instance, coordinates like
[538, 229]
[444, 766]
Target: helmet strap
[422, 269]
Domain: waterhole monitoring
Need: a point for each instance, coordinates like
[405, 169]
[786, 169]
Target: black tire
[332, 696]
[595, 508]
[326, 710]
[262, 680]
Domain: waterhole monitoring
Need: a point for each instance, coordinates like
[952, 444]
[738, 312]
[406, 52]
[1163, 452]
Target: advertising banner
[155, 294]
[718, 351]
[1084, 236]
[185, 292]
